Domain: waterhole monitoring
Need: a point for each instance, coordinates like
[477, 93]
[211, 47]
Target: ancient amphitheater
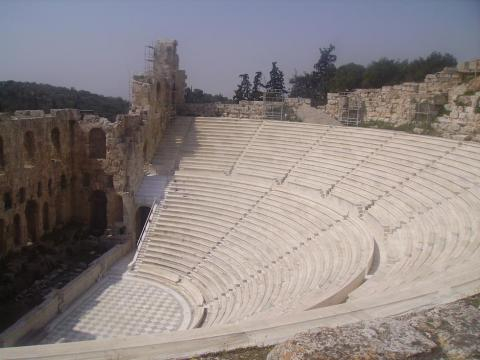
[266, 228]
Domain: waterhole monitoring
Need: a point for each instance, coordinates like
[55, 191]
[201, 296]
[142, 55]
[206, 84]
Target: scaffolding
[149, 56]
[424, 113]
[349, 109]
[273, 104]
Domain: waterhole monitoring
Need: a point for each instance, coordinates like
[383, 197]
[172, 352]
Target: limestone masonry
[64, 166]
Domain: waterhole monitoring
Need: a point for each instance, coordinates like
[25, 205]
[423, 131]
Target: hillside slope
[15, 95]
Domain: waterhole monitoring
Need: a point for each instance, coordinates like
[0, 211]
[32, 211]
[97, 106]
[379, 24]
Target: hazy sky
[96, 45]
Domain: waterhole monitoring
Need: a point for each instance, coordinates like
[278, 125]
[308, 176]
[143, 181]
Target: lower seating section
[264, 217]
[250, 246]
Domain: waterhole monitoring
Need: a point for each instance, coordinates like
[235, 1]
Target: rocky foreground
[449, 331]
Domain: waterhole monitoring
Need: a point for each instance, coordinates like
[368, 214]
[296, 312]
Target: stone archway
[45, 217]
[29, 146]
[17, 230]
[140, 219]
[116, 209]
[31, 216]
[2, 155]
[55, 137]
[97, 144]
[98, 212]
[3, 240]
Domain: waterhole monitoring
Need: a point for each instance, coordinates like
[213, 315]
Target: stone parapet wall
[452, 100]
[397, 104]
[244, 109]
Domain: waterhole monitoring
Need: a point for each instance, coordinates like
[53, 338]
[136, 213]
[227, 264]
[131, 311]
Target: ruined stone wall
[37, 175]
[451, 96]
[460, 118]
[61, 167]
[397, 104]
[244, 109]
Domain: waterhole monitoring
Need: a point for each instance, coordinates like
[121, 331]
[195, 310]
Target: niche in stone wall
[21, 195]
[7, 201]
[45, 217]
[3, 242]
[86, 180]
[31, 216]
[140, 219]
[55, 137]
[97, 144]
[63, 182]
[98, 212]
[29, 148]
[59, 210]
[116, 209]
[2, 156]
[17, 230]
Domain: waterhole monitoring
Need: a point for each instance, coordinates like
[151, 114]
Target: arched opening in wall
[98, 212]
[2, 156]
[97, 144]
[21, 195]
[17, 230]
[145, 149]
[58, 210]
[86, 180]
[7, 201]
[140, 219]
[39, 189]
[63, 182]
[31, 216]
[55, 137]
[116, 209]
[29, 147]
[3, 242]
[50, 190]
[45, 217]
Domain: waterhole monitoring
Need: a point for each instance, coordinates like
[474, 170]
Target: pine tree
[276, 81]
[324, 71]
[243, 89]
[257, 94]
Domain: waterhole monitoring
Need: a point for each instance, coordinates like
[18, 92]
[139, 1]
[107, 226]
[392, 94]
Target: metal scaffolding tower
[349, 109]
[424, 112]
[149, 59]
[273, 105]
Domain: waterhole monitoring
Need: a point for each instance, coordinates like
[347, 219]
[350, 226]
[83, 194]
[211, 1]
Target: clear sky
[96, 45]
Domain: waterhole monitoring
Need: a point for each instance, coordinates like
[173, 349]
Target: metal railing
[142, 236]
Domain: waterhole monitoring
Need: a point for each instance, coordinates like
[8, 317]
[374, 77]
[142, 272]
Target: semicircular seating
[269, 228]
[267, 217]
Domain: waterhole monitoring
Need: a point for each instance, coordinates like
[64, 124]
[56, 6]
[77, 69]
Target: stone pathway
[117, 306]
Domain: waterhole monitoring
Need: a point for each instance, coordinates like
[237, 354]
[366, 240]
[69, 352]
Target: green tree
[197, 96]
[384, 72]
[276, 81]
[347, 77]
[324, 71]
[315, 85]
[302, 86]
[256, 94]
[243, 89]
[435, 62]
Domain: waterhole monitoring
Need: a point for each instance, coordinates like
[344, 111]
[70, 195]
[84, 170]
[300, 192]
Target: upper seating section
[265, 217]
